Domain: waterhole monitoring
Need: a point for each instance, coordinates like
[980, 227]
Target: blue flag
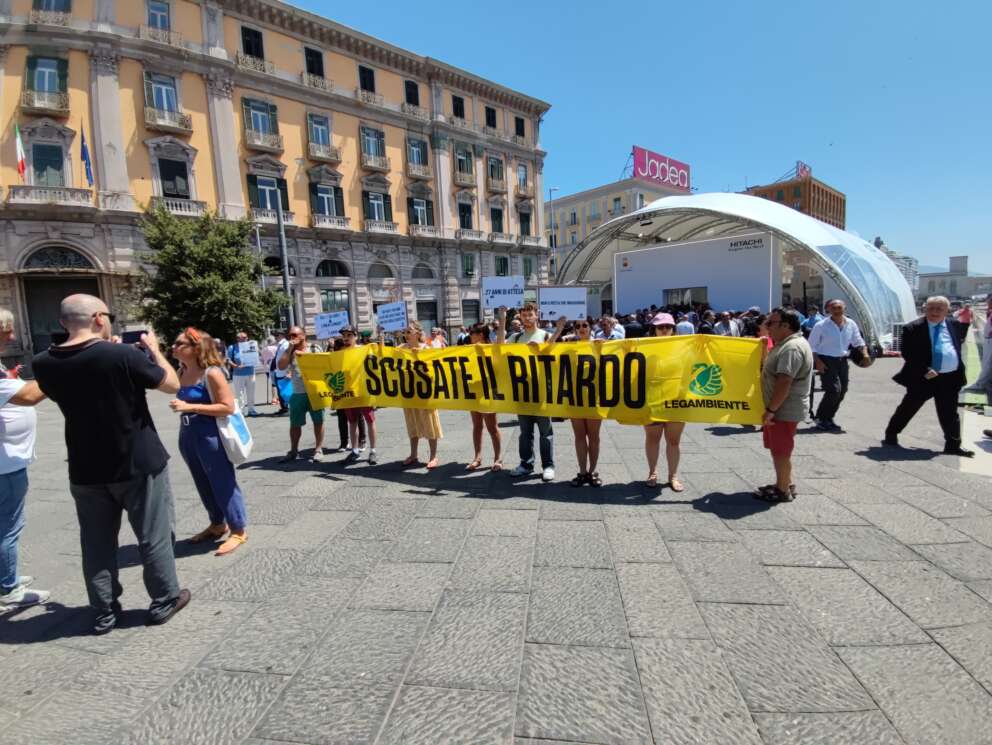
[84, 155]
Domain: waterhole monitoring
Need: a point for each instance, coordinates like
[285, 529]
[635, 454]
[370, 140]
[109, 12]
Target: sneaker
[361, 447]
[521, 470]
[290, 457]
[25, 580]
[548, 474]
[21, 597]
[352, 456]
[318, 455]
[373, 458]
[181, 602]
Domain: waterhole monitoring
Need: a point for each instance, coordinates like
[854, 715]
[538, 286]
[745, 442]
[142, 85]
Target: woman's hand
[179, 406]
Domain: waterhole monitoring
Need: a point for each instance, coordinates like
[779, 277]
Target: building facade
[808, 195]
[400, 177]
[908, 266]
[957, 283]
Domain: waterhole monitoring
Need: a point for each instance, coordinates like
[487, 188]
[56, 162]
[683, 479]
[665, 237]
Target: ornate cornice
[105, 60]
[4, 48]
[220, 84]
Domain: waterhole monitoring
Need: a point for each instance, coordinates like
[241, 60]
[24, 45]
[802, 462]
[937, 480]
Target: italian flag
[22, 165]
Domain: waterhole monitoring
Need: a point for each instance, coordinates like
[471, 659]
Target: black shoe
[891, 441]
[987, 432]
[181, 602]
[959, 451]
[106, 622]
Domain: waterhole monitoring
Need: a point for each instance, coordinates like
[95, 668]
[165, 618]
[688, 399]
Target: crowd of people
[118, 465]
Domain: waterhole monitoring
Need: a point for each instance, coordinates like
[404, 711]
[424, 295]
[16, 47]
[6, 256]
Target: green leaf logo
[335, 381]
[706, 380]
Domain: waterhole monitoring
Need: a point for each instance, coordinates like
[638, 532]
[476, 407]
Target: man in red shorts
[349, 339]
[785, 387]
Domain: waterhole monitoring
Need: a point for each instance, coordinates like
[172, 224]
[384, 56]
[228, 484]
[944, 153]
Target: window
[953, 287]
[573, 238]
[251, 42]
[528, 266]
[519, 128]
[496, 217]
[379, 271]
[491, 117]
[275, 266]
[47, 75]
[573, 218]
[366, 78]
[780, 195]
[417, 152]
[463, 159]
[470, 312]
[797, 191]
[373, 142]
[327, 200]
[525, 223]
[931, 286]
[422, 271]
[796, 204]
[332, 300]
[268, 193]
[58, 6]
[319, 129]
[686, 296]
[502, 266]
[427, 313]
[314, 59]
[158, 15]
[332, 268]
[458, 107]
[522, 174]
[174, 177]
[421, 211]
[47, 162]
[378, 206]
[468, 267]
[616, 205]
[260, 116]
[160, 92]
[465, 216]
[495, 169]
[593, 210]
[640, 200]
[412, 93]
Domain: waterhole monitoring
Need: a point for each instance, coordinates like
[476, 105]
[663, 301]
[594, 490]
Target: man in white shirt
[984, 338]
[726, 326]
[609, 330]
[684, 327]
[831, 340]
[278, 375]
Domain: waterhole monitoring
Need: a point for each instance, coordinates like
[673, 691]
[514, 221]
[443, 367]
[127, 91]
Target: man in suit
[933, 367]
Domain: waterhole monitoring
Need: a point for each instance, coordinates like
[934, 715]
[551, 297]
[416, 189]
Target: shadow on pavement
[882, 453]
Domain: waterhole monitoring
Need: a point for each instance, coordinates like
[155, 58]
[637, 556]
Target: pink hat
[663, 319]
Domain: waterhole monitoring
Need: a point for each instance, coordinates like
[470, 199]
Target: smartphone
[132, 337]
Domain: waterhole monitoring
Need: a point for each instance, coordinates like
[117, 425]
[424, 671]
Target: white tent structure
[877, 293]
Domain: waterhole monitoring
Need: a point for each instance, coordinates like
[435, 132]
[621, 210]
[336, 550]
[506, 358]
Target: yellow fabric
[698, 378]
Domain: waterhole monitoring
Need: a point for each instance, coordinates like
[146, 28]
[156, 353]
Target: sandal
[774, 495]
[771, 487]
[497, 466]
[652, 481]
[580, 479]
[474, 464]
[232, 542]
[213, 532]
[676, 485]
[432, 464]
[411, 460]
[594, 479]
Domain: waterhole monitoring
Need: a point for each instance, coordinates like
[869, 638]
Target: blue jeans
[212, 471]
[13, 489]
[527, 441]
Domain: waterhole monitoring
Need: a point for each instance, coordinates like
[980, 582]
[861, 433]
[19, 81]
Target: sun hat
[663, 319]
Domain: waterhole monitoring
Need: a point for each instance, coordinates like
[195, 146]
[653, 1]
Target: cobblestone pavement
[376, 604]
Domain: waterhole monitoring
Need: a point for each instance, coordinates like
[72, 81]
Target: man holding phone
[299, 403]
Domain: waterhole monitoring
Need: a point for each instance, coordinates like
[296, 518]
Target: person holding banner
[420, 423]
[355, 415]
[664, 325]
[299, 403]
[479, 334]
[586, 431]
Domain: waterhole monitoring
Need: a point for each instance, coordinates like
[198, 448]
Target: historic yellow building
[400, 177]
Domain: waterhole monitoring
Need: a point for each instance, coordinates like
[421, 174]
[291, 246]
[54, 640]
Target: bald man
[117, 463]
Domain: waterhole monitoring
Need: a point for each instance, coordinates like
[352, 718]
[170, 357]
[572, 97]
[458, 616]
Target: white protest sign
[330, 324]
[508, 291]
[392, 316]
[561, 302]
[248, 352]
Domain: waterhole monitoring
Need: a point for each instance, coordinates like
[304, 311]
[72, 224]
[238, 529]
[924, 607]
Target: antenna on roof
[628, 167]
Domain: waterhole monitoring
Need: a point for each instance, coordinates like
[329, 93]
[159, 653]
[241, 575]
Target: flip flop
[410, 461]
[497, 466]
[676, 485]
[232, 542]
[213, 532]
[474, 464]
[432, 464]
[774, 495]
[652, 481]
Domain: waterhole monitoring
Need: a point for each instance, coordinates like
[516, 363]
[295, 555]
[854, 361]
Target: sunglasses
[582, 325]
[110, 316]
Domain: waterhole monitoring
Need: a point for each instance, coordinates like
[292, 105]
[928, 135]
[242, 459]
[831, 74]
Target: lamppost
[283, 255]
[554, 235]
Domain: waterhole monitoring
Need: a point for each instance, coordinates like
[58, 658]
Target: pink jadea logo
[660, 169]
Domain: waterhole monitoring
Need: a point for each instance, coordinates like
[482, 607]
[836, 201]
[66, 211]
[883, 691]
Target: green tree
[203, 275]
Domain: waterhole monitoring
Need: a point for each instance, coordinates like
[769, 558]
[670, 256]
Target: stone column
[442, 183]
[223, 131]
[537, 216]
[105, 13]
[213, 29]
[106, 143]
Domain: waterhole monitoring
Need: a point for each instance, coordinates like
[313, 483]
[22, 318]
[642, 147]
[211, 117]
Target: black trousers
[944, 390]
[833, 379]
[343, 428]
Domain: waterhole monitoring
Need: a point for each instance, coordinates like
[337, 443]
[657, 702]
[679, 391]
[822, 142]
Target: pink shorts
[780, 437]
[367, 412]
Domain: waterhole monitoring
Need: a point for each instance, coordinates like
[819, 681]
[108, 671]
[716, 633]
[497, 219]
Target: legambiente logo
[706, 380]
[335, 381]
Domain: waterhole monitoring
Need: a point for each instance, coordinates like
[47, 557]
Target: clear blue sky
[888, 101]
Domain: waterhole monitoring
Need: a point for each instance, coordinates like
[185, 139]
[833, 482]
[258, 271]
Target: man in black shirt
[116, 461]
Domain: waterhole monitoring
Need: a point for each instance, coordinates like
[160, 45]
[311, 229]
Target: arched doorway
[51, 274]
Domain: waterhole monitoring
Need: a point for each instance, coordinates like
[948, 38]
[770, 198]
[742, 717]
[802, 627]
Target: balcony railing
[368, 97]
[48, 18]
[525, 191]
[518, 140]
[50, 195]
[532, 240]
[375, 162]
[461, 123]
[168, 121]
[55, 103]
[493, 132]
[264, 141]
[327, 153]
[269, 217]
[496, 185]
[416, 111]
[316, 81]
[256, 64]
[464, 179]
[331, 222]
[161, 35]
[380, 226]
[419, 170]
[180, 207]
[464, 234]
[502, 238]
[425, 231]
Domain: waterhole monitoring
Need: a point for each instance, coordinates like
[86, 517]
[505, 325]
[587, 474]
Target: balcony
[416, 112]
[525, 191]
[325, 153]
[464, 179]
[457, 121]
[161, 35]
[464, 234]
[269, 217]
[180, 207]
[532, 240]
[507, 238]
[375, 162]
[62, 196]
[330, 222]
[48, 18]
[419, 170]
[426, 231]
[496, 185]
[168, 121]
[53, 103]
[380, 226]
[318, 82]
[266, 142]
[373, 99]
[518, 140]
[493, 132]
[254, 64]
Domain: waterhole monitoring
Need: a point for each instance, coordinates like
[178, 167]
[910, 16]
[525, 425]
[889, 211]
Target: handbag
[233, 431]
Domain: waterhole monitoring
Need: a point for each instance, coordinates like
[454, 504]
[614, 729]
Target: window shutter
[63, 68]
[283, 193]
[253, 190]
[366, 207]
[149, 93]
[314, 203]
[387, 204]
[246, 113]
[410, 212]
[430, 212]
[380, 140]
[338, 201]
[31, 70]
[274, 118]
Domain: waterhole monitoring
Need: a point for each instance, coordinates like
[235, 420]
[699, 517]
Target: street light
[554, 237]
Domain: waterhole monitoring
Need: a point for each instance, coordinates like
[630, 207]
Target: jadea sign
[660, 169]
[700, 378]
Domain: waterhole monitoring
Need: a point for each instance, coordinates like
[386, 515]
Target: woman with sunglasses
[664, 325]
[586, 431]
[479, 334]
[420, 423]
[203, 396]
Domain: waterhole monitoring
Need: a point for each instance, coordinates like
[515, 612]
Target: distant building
[799, 190]
[957, 282]
[907, 265]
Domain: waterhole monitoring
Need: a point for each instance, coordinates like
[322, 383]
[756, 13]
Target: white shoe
[373, 458]
[24, 580]
[318, 455]
[521, 470]
[548, 474]
[21, 597]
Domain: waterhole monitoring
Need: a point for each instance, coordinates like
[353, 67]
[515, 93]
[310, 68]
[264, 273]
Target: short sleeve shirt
[18, 426]
[538, 335]
[792, 357]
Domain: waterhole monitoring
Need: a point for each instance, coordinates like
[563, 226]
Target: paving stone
[321, 714]
[939, 503]
[403, 586]
[501, 498]
[692, 526]
[690, 695]
[850, 492]
[345, 557]
[636, 539]
[907, 524]
[576, 606]
[494, 563]
[555, 510]
[724, 573]
[561, 695]
[862, 543]
[788, 548]
[925, 694]
[205, 707]
[521, 523]
[982, 588]
[966, 561]
[277, 510]
[779, 662]
[844, 608]
[35, 672]
[572, 544]
[924, 593]
[657, 602]
[431, 716]
[978, 528]
[818, 510]
[256, 575]
[311, 529]
[464, 507]
[345, 499]
[827, 729]
[971, 646]
[385, 520]
[430, 539]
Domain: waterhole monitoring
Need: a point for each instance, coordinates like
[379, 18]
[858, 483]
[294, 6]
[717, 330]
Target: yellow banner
[698, 378]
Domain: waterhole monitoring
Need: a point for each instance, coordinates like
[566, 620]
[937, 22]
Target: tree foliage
[204, 275]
